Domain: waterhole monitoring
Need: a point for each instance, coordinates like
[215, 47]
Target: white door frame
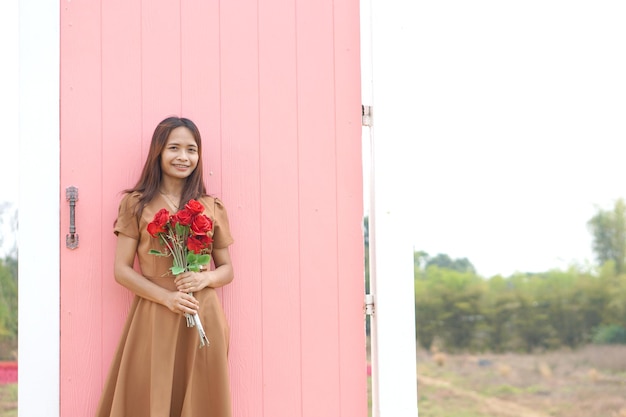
[388, 71]
[39, 196]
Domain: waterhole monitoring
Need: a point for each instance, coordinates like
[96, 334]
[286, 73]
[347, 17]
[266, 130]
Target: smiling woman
[167, 290]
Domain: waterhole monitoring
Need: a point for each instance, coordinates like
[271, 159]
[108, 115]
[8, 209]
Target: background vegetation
[8, 283]
[458, 310]
[8, 308]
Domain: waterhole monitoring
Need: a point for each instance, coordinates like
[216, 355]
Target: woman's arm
[176, 301]
[222, 274]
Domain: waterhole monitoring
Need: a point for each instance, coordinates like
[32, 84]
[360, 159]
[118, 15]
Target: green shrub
[610, 335]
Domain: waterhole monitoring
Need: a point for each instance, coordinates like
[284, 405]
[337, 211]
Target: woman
[159, 369]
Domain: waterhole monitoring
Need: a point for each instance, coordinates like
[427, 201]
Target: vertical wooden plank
[240, 170]
[121, 149]
[81, 167]
[160, 64]
[200, 49]
[351, 289]
[318, 209]
[282, 377]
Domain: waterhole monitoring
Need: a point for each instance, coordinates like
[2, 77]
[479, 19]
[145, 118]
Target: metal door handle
[71, 239]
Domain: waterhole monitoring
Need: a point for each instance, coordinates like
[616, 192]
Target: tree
[531, 318]
[608, 228]
[498, 308]
[428, 309]
[8, 281]
[8, 309]
[422, 261]
[447, 307]
[561, 294]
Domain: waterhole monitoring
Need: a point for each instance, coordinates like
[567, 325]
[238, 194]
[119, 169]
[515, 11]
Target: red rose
[161, 217]
[157, 225]
[194, 207]
[184, 217]
[206, 240]
[201, 225]
[154, 229]
[197, 244]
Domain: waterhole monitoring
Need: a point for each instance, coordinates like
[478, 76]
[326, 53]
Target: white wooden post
[388, 86]
[39, 240]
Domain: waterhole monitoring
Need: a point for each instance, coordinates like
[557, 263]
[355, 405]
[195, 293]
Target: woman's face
[180, 156]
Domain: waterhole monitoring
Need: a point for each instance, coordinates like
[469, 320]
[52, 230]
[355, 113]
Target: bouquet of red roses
[186, 237]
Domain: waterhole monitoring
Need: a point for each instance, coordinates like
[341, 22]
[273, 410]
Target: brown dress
[159, 369]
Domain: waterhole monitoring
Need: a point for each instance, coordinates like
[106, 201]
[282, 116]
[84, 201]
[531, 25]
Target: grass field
[590, 382]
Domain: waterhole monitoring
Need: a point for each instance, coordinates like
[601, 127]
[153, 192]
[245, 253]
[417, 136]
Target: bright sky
[9, 100]
[9, 97]
[520, 124]
[520, 128]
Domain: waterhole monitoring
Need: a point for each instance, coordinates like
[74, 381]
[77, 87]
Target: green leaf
[194, 267]
[192, 258]
[157, 253]
[177, 270]
[180, 229]
[204, 259]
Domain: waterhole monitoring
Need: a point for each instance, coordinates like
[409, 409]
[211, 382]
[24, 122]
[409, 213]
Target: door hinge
[369, 304]
[366, 115]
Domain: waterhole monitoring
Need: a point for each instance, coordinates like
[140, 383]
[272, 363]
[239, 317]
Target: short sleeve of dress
[221, 232]
[127, 222]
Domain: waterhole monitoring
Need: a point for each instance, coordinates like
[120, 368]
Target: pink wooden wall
[274, 87]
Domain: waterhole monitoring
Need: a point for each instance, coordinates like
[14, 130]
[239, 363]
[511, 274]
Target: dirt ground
[589, 382]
